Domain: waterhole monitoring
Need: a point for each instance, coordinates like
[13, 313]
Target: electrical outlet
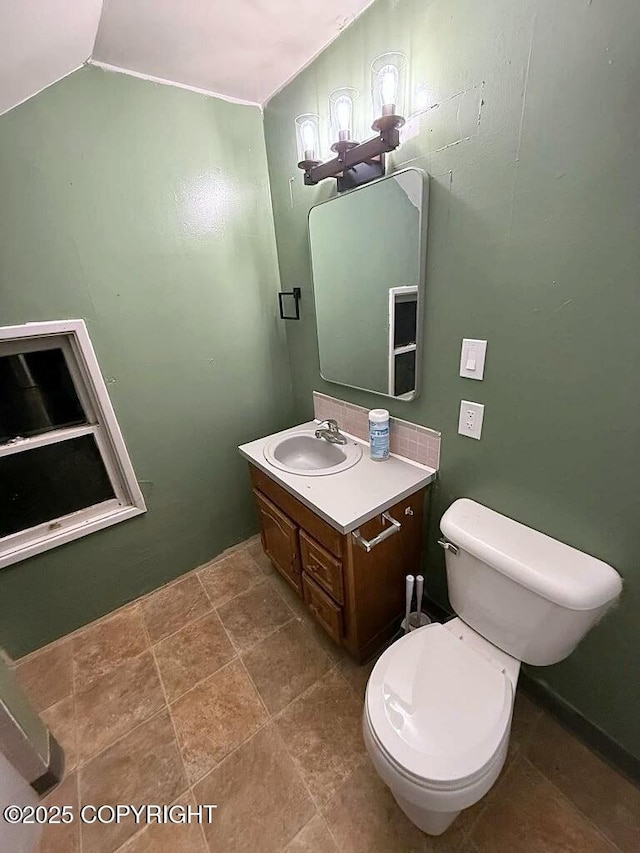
[470, 420]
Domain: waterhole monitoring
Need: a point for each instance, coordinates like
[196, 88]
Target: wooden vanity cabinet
[356, 596]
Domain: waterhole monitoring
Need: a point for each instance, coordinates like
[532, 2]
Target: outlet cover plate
[470, 420]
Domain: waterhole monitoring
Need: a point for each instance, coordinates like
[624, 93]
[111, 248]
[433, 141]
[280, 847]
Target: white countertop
[347, 499]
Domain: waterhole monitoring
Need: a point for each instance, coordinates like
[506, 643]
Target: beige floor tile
[61, 837]
[313, 838]
[285, 591]
[285, 664]
[257, 552]
[526, 716]
[116, 703]
[61, 721]
[172, 607]
[603, 795]
[323, 733]
[335, 652]
[528, 815]
[356, 674]
[253, 615]
[296, 605]
[142, 767]
[227, 578]
[364, 818]
[193, 654]
[102, 647]
[261, 800]
[47, 676]
[169, 837]
[215, 717]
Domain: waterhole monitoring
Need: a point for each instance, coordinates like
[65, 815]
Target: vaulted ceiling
[241, 49]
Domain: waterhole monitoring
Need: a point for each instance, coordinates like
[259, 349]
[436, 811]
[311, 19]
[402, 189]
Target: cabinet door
[280, 541]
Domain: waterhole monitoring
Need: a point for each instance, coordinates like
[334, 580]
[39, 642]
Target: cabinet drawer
[324, 609]
[279, 540]
[322, 567]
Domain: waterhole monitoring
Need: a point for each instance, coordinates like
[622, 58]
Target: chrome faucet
[332, 434]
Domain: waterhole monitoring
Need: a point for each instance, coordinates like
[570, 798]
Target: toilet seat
[438, 709]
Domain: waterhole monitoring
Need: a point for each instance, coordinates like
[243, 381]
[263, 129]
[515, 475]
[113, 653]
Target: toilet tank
[530, 595]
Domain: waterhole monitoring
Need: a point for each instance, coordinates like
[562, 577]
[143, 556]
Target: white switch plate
[470, 420]
[472, 358]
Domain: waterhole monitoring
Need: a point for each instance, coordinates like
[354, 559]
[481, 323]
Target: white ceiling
[240, 49]
[41, 41]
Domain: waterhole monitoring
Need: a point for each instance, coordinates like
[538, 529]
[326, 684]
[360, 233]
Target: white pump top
[551, 569]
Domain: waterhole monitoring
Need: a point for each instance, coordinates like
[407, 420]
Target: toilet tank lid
[551, 569]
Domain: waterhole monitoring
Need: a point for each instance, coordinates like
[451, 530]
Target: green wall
[145, 210]
[533, 244]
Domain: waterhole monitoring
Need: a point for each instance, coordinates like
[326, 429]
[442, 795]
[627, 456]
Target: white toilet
[437, 714]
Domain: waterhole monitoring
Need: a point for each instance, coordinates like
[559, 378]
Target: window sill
[68, 534]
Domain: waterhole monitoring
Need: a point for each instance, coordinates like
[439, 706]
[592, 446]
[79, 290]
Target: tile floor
[219, 689]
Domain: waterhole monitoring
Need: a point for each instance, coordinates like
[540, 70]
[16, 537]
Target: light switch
[470, 420]
[472, 358]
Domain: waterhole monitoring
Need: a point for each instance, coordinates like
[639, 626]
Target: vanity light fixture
[356, 162]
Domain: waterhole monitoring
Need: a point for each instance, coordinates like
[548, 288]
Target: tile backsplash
[418, 443]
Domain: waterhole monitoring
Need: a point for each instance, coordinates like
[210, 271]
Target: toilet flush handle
[448, 546]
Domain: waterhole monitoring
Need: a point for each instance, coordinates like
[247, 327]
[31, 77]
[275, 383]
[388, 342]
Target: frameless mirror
[368, 254]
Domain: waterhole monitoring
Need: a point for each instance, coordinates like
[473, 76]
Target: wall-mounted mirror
[368, 254]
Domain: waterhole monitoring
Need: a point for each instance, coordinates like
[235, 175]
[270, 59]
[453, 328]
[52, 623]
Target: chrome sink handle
[331, 423]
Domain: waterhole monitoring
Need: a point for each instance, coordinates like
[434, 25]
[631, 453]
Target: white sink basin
[303, 453]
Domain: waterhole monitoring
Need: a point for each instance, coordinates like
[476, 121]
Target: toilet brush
[419, 590]
[409, 598]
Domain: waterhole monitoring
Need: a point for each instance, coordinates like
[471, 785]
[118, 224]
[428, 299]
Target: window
[64, 469]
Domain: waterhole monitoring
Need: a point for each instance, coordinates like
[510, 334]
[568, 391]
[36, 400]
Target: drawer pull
[317, 569]
[369, 544]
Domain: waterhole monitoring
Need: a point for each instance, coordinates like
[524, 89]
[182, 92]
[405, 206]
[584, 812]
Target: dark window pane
[406, 320]
[36, 394]
[48, 482]
[405, 372]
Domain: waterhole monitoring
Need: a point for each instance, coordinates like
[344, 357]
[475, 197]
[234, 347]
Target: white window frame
[73, 338]
[399, 294]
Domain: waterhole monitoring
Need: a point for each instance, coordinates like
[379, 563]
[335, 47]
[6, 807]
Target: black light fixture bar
[356, 164]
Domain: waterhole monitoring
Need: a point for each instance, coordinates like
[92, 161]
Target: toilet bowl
[439, 702]
[437, 718]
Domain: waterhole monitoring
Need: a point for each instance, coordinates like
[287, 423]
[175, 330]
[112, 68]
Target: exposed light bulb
[308, 135]
[388, 85]
[343, 109]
